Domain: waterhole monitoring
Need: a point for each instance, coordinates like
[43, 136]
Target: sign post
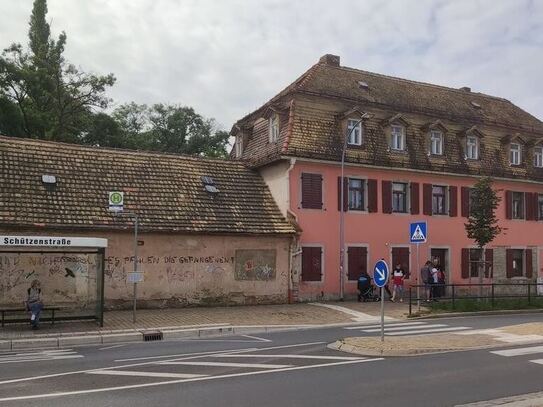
[116, 205]
[418, 233]
[380, 277]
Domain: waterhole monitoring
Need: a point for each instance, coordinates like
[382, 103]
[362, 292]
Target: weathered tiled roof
[311, 126]
[165, 190]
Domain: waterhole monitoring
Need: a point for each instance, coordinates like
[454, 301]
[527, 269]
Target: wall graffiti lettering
[255, 265]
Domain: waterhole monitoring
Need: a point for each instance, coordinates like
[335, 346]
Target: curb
[479, 313]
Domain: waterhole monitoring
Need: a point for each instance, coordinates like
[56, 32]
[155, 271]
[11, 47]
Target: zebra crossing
[38, 356]
[530, 350]
[408, 328]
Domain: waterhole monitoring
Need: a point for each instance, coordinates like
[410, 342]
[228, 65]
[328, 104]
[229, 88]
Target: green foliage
[53, 97]
[482, 224]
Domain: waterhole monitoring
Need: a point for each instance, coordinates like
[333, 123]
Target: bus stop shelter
[70, 270]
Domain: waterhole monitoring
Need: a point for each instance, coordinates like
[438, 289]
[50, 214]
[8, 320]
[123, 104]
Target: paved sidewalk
[179, 318]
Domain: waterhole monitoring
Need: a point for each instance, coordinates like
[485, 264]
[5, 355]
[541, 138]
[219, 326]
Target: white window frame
[436, 142]
[407, 196]
[445, 200]
[397, 132]
[472, 149]
[239, 147]
[364, 182]
[538, 157]
[515, 154]
[354, 138]
[274, 128]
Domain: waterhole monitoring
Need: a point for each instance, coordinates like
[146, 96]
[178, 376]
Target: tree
[482, 224]
[53, 97]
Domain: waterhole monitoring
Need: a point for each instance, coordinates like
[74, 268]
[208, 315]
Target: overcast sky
[226, 58]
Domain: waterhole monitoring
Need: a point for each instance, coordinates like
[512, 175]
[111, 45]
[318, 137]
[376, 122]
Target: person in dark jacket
[426, 279]
[34, 303]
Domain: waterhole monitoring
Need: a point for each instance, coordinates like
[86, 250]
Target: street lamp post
[342, 213]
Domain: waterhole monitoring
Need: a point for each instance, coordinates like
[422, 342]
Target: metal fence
[490, 292]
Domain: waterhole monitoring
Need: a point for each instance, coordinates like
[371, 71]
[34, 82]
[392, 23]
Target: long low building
[209, 231]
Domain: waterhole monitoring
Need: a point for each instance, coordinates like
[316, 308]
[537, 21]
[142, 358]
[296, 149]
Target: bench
[5, 311]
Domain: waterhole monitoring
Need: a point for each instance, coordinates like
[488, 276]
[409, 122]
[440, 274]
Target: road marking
[113, 347]
[519, 351]
[356, 315]
[404, 328]
[187, 355]
[258, 338]
[136, 386]
[39, 359]
[290, 356]
[146, 374]
[378, 326]
[423, 331]
[538, 361]
[227, 364]
[38, 356]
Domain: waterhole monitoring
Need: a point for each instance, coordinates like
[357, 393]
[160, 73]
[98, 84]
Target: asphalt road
[278, 369]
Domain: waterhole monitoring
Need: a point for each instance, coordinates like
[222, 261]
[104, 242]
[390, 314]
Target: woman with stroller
[365, 288]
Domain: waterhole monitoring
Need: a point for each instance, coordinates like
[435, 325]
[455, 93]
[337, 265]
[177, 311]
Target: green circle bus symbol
[116, 198]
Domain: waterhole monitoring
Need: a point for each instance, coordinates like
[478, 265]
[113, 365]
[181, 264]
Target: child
[397, 281]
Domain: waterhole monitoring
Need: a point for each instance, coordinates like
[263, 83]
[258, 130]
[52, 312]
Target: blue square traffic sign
[418, 232]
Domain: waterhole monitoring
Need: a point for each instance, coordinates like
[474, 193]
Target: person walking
[426, 279]
[34, 303]
[397, 282]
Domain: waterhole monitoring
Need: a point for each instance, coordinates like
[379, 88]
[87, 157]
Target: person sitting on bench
[34, 303]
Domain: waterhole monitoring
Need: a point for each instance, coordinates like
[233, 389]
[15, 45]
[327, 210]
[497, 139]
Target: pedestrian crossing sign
[418, 232]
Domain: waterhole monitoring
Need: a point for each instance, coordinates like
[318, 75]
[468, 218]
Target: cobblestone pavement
[291, 314]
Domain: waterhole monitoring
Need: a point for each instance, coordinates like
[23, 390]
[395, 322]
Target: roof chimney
[329, 59]
[465, 88]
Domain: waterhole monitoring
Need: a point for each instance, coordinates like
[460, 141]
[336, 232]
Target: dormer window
[538, 157]
[239, 146]
[436, 142]
[514, 154]
[274, 128]
[472, 148]
[397, 137]
[354, 132]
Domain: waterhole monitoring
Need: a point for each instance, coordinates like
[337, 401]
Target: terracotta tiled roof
[315, 102]
[165, 190]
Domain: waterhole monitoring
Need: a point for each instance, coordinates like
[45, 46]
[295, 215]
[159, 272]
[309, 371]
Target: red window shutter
[529, 266]
[464, 200]
[465, 263]
[414, 189]
[372, 195]
[311, 263]
[489, 263]
[536, 205]
[427, 199]
[508, 204]
[453, 201]
[528, 203]
[306, 263]
[311, 191]
[386, 186]
[509, 262]
[357, 261]
[345, 194]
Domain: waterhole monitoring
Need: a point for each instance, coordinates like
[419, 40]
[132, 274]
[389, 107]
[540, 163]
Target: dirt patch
[413, 345]
[533, 328]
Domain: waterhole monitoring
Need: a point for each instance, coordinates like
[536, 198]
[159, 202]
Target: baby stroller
[365, 289]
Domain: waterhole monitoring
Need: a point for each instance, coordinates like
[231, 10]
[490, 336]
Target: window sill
[356, 146]
[400, 213]
[356, 212]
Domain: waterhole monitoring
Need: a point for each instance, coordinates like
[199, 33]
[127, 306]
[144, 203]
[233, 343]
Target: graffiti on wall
[255, 265]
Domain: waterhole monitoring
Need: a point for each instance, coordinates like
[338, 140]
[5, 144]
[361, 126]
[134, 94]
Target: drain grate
[152, 336]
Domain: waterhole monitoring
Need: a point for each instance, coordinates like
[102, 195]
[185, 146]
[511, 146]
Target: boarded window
[400, 255]
[357, 261]
[311, 263]
[311, 191]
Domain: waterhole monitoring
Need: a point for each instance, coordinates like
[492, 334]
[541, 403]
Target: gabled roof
[165, 190]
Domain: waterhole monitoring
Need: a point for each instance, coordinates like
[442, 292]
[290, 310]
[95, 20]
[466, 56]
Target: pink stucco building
[413, 154]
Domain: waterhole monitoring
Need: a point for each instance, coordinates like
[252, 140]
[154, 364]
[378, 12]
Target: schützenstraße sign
[52, 241]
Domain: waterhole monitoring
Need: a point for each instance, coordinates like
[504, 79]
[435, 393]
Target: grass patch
[473, 305]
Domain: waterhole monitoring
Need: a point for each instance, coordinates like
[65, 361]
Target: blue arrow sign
[418, 232]
[380, 273]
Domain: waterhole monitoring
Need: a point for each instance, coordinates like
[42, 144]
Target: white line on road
[113, 346]
[519, 351]
[289, 356]
[378, 326]
[227, 364]
[146, 374]
[538, 361]
[258, 338]
[404, 328]
[136, 386]
[38, 359]
[425, 331]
